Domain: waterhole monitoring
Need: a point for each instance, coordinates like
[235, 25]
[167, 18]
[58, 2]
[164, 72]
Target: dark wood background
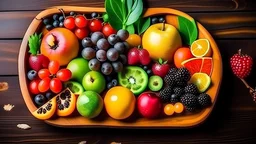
[231, 22]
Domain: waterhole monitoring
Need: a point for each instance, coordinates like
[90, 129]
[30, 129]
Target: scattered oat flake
[8, 107]
[115, 143]
[3, 86]
[24, 126]
[82, 142]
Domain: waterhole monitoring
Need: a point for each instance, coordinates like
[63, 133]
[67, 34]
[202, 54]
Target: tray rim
[55, 9]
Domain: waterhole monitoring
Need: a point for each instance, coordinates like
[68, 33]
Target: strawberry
[133, 56]
[36, 61]
[144, 57]
[160, 68]
[241, 64]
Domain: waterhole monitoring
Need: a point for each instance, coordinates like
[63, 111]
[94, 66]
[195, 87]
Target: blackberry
[178, 91]
[172, 70]
[174, 98]
[204, 100]
[190, 109]
[189, 100]
[165, 94]
[191, 88]
[169, 79]
[182, 76]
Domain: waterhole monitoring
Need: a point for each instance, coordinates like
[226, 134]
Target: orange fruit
[201, 48]
[181, 55]
[47, 110]
[119, 102]
[133, 40]
[169, 109]
[178, 107]
[201, 80]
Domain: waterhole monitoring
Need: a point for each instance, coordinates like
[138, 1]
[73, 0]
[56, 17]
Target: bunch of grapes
[106, 54]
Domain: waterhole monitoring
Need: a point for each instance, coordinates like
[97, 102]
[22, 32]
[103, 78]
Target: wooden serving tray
[176, 121]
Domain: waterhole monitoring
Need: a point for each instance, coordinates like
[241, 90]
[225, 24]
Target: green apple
[161, 41]
[94, 81]
[79, 67]
[89, 104]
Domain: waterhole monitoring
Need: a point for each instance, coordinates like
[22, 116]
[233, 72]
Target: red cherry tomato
[33, 86]
[107, 30]
[81, 21]
[95, 25]
[69, 23]
[44, 84]
[81, 33]
[43, 73]
[55, 85]
[53, 67]
[64, 74]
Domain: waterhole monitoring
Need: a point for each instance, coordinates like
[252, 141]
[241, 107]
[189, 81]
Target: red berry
[107, 30]
[144, 57]
[81, 33]
[69, 23]
[95, 25]
[43, 73]
[81, 21]
[133, 56]
[64, 74]
[241, 64]
[54, 67]
[33, 86]
[55, 85]
[44, 84]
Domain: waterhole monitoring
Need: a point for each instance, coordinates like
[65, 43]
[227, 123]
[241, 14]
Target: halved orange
[201, 48]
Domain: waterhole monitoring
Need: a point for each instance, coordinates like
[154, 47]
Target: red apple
[149, 105]
[160, 68]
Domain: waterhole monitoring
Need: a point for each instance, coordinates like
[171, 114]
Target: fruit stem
[163, 27]
[62, 11]
[246, 84]
[239, 51]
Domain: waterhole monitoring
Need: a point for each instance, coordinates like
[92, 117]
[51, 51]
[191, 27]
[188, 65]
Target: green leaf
[115, 13]
[130, 29]
[160, 61]
[135, 13]
[129, 5]
[144, 25]
[188, 30]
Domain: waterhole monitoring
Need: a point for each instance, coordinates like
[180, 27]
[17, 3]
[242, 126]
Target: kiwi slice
[133, 78]
[155, 83]
[75, 87]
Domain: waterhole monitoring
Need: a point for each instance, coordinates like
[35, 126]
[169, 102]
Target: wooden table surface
[231, 22]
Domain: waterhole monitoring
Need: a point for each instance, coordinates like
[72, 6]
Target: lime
[133, 78]
[75, 87]
[201, 80]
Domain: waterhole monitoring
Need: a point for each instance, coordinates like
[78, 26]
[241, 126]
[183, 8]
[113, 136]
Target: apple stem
[62, 11]
[163, 27]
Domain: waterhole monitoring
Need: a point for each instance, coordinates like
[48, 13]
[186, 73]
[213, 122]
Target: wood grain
[184, 5]
[228, 123]
[220, 25]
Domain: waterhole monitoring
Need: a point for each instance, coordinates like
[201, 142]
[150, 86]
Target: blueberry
[46, 21]
[114, 82]
[101, 55]
[109, 85]
[96, 36]
[94, 15]
[161, 19]
[94, 64]
[40, 99]
[145, 68]
[56, 23]
[120, 47]
[55, 17]
[72, 13]
[113, 39]
[154, 20]
[106, 68]
[61, 18]
[112, 54]
[49, 95]
[61, 24]
[108, 78]
[88, 53]
[123, 59]
[32, 74]
[117, 66]
[102, 44]
[49, 27]
[87, 42]
[122, 34]
[149, 72]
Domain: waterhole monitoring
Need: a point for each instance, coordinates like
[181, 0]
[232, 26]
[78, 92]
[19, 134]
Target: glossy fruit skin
[78, 67]
[178, 107]
[53, 67]
[33, 86]
[181, 55]
[64, 75]
[144, 57]
[138, 56]
[64, 50]
[48, 114]
[107, 30]
[169, 109]
[69, 23]
[55, 85]
[81, 21]
[37, 62]
[94, 81]
[149, 105]
[160, 69]
[119, 102]
[168, 40]
[95, 25]
[44, 85]
[241, 64]
[81, 33]
[133, 40]
[43, 73]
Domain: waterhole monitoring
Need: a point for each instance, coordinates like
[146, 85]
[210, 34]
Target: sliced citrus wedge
[201, 48]
[201, 80]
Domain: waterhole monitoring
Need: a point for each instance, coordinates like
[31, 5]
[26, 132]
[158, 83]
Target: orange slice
[201, 80]
[201, 48]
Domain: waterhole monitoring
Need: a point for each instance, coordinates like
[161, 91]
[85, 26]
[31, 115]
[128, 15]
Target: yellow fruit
[169, 109]
[201, 48]
[133, 40]
[178, 107]
[119, 102]
[161, 43]
[201, 80]
[47, 110]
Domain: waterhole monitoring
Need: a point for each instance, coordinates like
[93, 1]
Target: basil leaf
[129, 5]
[144, 25]
[134, 15]
[188, 30]
[114, 11]
[130, 29]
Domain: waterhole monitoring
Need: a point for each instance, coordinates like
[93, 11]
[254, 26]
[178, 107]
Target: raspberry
[241, 64]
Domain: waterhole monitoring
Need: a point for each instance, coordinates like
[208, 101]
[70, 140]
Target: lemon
[201, 80]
